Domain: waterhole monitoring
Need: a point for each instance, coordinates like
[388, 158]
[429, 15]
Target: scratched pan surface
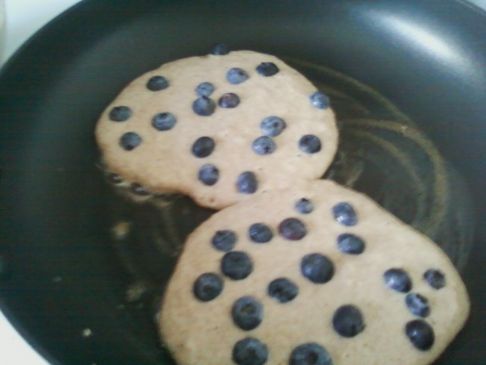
[82, 268]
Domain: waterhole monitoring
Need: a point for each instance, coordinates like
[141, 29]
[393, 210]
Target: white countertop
[25, 17]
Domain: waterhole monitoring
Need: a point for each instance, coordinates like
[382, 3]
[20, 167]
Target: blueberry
[282, 290]
[208, 174]
[292, 229]
[157, 83]
[224, 240]
[250, 351]
[317, 268]
[247, 182]
[203, 106]
[267, 69]
[304, 206]
[420, 334]
[115, 178]
[417, 304]
[397, 279]
[435, 278]
[120, 113]
[272, 126]
[130, 141]
[229, 100]
[350, 244]
[205, 89]
[260, 233]
[236, 75]
[310, 144]
[220, 49]
[345, 214]
[164, 121]
[247, 313]
[207, 287]
[203, 147]
[263, 145]
[236, 265]
[348, 321]
[310, 354]
[320, 100]
[138, 189]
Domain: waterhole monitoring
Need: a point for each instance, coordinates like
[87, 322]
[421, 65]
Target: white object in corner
[25, 17]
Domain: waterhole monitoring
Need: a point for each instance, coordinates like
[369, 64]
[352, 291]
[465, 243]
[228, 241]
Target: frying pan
[78, 295]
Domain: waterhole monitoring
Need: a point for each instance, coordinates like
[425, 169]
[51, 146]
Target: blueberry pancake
[314, 274]
[219, 128]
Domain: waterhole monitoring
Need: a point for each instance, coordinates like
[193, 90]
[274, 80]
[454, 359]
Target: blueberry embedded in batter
[130, 140]
[316, 267]
[208, 174]
[229, 101]
[417, 304]
[435, 278]
[348, 321]
[310, 354]
[224, 240]
[350, 244]
[250, 351]
[267, 69]
[164, 121]
[207, 287]
[236, 265]
[236, 75]
[203, 106]
[292, 229]
[320, 100]
[247, 313]
[260, 233]
[310, 144]
[420, 334]
[203, 147]
[263, 145]
[283, 290]
[398, 280]
[304, 206]
[272, 126]
[247, 182]
[345, 214]
[205, 89]
[157, 83]
[120, 114]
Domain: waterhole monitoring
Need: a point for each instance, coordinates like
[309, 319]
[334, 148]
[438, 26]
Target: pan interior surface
[82, 270]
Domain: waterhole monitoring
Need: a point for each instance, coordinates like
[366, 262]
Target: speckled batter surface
[163, 160]
[201, 332]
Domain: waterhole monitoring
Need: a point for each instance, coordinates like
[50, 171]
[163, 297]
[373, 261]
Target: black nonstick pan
[82, 269]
